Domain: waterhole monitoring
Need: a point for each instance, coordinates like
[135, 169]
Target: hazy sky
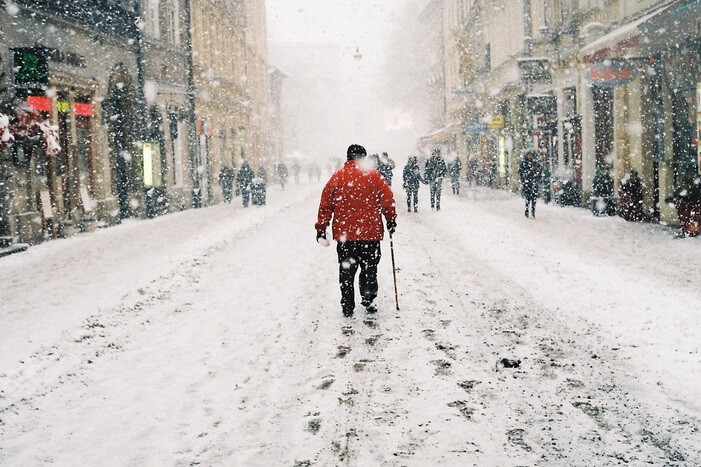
[331, 99]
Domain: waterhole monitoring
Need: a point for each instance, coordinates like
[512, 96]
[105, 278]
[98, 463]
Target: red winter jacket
[357, 198]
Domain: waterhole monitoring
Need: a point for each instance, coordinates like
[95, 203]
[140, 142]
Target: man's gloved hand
[391, 226]
[320, 234]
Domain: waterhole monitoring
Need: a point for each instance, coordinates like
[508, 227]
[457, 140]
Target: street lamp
[357, 56]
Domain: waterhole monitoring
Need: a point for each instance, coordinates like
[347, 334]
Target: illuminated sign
[612, 73]
[31, 68]
[40, 103]
[496, 123]
[148, 165]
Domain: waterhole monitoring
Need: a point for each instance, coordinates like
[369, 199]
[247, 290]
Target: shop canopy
[681, 22]
[621, 40]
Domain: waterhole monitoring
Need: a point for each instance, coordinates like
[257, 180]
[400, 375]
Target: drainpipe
[191, 115]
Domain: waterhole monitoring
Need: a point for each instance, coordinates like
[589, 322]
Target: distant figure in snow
[433, 173]
[455, 168]
[226, 179]
[471, 170]
[296, 168]
[357, 197]
[244, 179]
[259, 187]
[385, 166]
[282, 173]
[412, 180]
[530, 173]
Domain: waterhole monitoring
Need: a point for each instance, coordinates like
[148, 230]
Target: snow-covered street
[215, 336]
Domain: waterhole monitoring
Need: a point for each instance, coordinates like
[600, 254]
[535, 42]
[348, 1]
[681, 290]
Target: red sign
[617, 73]
[608, 51]
[84, 110]
[41, 103]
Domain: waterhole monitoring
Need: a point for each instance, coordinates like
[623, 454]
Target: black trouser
[530, 201]
[246, 195]
[455, 182]
[412, 198]
[350, 256]
[227, 193]
[436, 188]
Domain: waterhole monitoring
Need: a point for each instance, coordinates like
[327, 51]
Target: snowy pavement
[215, 336]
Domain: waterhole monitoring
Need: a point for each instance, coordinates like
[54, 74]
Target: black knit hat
[356, 151]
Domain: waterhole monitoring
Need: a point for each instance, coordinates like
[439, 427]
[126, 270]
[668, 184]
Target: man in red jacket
[357, 197]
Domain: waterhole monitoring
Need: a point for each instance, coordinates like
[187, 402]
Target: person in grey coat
[434, 172]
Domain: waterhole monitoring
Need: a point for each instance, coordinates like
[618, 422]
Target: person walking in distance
[530, 173]
[434, 172]
[244, 180]
[357, 197]
[412, 180]
[455, 168]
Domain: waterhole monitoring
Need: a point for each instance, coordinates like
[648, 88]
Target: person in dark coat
[244, 180]
[282, 173]
[357, 199]
[259, 187]
[226, 179]
[434, 172]
[631, 197]
[455, 168]
[530, 172]
[412, 180]
[385, 166]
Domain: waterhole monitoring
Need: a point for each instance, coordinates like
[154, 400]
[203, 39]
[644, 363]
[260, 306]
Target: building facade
[76, 67]
[146, 100]
[596, 87]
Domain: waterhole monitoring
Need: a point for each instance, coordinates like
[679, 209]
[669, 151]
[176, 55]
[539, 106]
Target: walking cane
[394, 272]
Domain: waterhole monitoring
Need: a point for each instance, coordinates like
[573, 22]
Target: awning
[620, 40]
[680, 23]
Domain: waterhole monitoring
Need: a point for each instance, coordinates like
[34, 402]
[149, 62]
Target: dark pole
[192, 119]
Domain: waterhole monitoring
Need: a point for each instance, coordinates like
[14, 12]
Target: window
[172, 22]
[152, 25]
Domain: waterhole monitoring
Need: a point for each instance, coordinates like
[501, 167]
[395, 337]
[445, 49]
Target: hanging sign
[496, 123]
[472, 128]
[534, 70]
[612, 73]
[31, 69]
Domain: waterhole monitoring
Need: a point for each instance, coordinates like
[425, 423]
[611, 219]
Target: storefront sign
[41, 103]
[31, 69]
[496, 123]
[612, 73]
[68, 58]
[148, 165]
[82, 109]
[534, 70]
[472, 128]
